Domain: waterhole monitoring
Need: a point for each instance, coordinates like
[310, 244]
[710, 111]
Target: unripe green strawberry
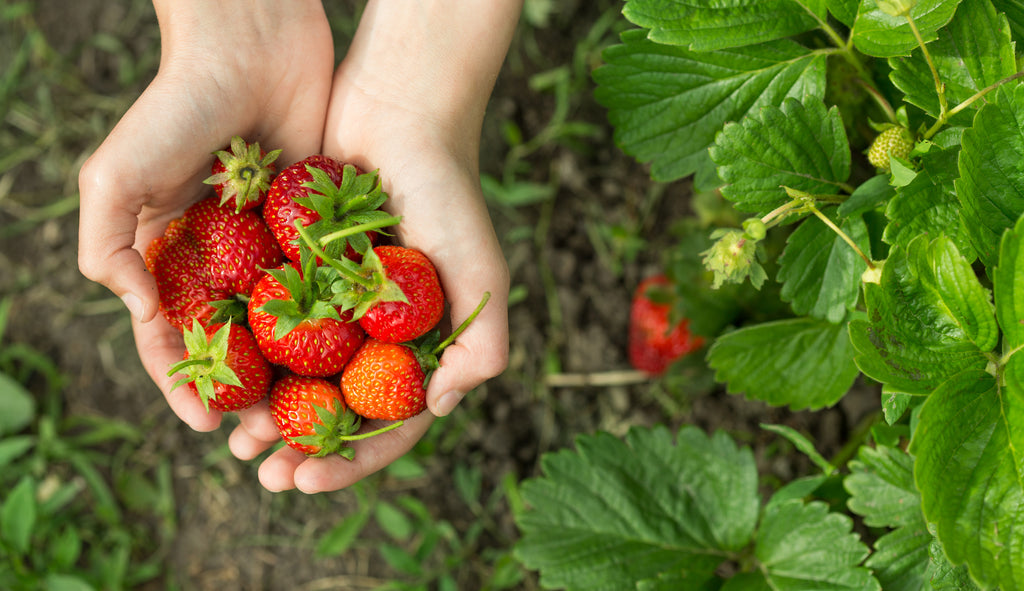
[892, 141]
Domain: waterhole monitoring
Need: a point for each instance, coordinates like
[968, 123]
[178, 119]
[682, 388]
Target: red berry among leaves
[223, 367]
[211, 253]
[242, 173]
[402, 321]
[655, 341]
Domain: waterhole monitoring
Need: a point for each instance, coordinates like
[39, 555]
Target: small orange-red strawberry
[655, 341]
[388, 380]
[241, 174]
[385, 381]
[223, 367]
[311, 417]
[325, 196]
[296, 324]
[211, 253]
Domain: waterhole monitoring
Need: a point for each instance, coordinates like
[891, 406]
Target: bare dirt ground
[568, 320]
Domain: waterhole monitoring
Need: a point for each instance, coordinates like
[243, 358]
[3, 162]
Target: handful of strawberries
[281, 288]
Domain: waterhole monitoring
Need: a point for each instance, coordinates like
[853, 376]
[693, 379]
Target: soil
[568, 325]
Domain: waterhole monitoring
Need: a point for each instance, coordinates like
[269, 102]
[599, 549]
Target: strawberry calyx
[246, 173]
[429, 347]
[309, 298]
[355, 201]
[206, 363]
[337, 427]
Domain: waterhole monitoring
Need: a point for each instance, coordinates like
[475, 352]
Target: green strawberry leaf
[798, 145]
[666, 103]
[614, 513]
[990, 172]
[929, 205]
[928, 319]
[869, 195]
[882, 491]
[1014, 11]
[878, 34]
[820, 273]
[974, 51]
[844, 10]
[1009, 289]
[800, 362]
[972, 485]
[702, 27]
[804, 546]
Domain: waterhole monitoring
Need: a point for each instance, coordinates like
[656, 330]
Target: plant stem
[806, 200]
[465, 324]
[346, 272]
[942, 120]
[359, 436]
[391, 221]
[940, 88]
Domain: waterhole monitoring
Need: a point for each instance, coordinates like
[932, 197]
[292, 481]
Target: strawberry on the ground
[655, 340]
[312, 418]
[296, 324]
[241, 174]
[211, 253]
[223, 367]
[397, 296]
[325, 196]
[388, 380]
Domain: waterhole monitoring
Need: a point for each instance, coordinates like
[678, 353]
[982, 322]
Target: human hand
[410, 102]
[261, 70]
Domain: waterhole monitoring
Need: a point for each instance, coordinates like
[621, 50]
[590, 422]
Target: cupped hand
[261, 70]
[409, 100]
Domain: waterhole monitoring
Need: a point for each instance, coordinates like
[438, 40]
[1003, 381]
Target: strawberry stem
[357, 229]
[346, 271]
[359, 436]
[462, 327]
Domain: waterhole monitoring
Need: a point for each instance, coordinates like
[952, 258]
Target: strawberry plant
[875, 148]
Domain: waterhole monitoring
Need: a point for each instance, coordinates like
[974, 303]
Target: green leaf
[929, 204]
[819, 271]
[732, 23]
[667, 103]
[18, 515]
[992, 172]
[928, 319]
[804, 546]
[1014, 11]
[872, 193]
[973, 52]
[17, 407]
[614, 513]
[844, 10]
[877, 34]
[391, 519]
[881, 487]
[1009, 288]
[340, 538]
[944, 576]
[968, 467]
[802, 146]
[801, 362]
[803, 444]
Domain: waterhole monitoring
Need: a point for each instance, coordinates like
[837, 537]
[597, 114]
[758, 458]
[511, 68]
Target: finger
[256, 433]
[160, 346]
[277, 472]
[371, 455]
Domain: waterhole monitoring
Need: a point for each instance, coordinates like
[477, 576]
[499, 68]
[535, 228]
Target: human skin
[408, 99]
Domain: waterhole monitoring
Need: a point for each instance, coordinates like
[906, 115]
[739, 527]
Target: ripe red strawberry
[326, 196]
[385, 381]
[223, 367]
[401, 299]
[297, 326]
[242, 173]
[211, 253]
[312, 418]
[388, 380]
[655, 341]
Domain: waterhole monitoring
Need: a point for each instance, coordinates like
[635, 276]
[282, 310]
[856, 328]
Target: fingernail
[134, 304]
[448, 401]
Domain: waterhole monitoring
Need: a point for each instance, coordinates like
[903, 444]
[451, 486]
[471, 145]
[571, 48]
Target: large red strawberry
[312, 418]
[296, 324]
[398, 296]
[325, 196]
[211, 253]
[223, 367]
[241, 174]
[655, 341]
[388, 380]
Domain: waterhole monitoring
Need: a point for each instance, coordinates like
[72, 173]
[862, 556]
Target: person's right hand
[261, 70]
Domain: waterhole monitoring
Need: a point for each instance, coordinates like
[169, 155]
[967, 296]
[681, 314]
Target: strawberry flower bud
[733, 258]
